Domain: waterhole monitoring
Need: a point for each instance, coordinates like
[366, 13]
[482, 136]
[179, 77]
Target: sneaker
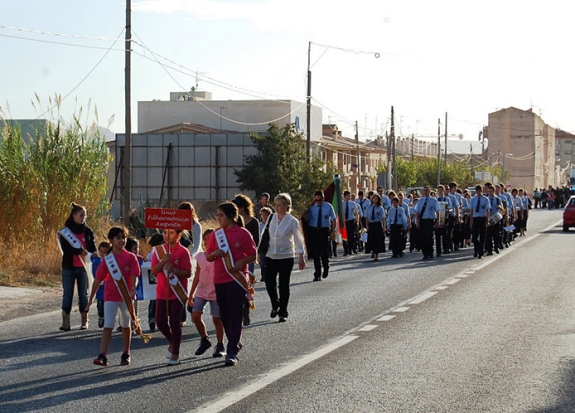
[283, 319]
[168, 354]
[182, 323]
[152, 325]
[100, 322]
[231, 360]
[204, 345]
[219, 351]
[125, 359]
[101, 360]
[173, 362]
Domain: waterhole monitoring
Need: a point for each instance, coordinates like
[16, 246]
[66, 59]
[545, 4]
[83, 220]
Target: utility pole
[127, 193]
[388, 144]
[358, 154]
[394, 169]
[412, 145]
[445, 149]
[308, 114]
[438, 151]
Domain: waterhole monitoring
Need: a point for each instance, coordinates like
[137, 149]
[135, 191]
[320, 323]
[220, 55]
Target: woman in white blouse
[285, 241]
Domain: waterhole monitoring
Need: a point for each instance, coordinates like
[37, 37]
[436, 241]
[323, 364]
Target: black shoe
[479, 257]
[100, 322]
[475, 254]
[101, 360]
[325, 274]
[152, 325]
[247, 320]
[438, 255]
[345, 254]
[125, 359]
[489, 254]
[283, 319]
[316, 278]
[219, 351]
[205, 344]
[497, 250]
[274, 313]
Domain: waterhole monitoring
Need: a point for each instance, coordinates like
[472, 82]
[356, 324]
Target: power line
[20, 29]
[60, 43]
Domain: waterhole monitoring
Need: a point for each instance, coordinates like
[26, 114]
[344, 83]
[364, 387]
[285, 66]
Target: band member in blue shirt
[479, 218]
[321, 220]
[397, 225]
[493, 238]
[427, 217]
[375, 215]
[350, 211]
[442, 235]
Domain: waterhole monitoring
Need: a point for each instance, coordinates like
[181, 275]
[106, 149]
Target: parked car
[569, 214]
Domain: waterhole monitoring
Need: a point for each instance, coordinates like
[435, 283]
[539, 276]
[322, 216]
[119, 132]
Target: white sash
[73, 240]
[239, 277]
[173, 281]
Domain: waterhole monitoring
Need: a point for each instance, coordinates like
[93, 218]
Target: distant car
[569, 214]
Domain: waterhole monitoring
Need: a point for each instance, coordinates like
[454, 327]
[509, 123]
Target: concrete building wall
[531, 142]
[159, 114]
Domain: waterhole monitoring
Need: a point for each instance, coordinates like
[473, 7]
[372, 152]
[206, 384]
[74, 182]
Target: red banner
[164, 218]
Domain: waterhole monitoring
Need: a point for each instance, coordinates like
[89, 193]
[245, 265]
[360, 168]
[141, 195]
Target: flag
[332, 195]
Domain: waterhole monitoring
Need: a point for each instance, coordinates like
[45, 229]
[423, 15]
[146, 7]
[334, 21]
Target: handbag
[364, 236]
[265, 241]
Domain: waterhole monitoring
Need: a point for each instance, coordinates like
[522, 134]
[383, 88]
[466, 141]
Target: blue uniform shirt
[374, 213]
[495, 202]
[396, 216]
[483, 202]
[363, 205]
[431, 207]
[351, 208]
[327, 215]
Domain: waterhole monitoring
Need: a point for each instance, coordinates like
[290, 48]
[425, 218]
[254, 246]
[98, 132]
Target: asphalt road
[455, 334]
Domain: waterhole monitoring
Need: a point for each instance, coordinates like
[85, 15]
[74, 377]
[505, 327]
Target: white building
[230, 115]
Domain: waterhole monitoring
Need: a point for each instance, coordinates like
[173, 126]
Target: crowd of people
[436, 222]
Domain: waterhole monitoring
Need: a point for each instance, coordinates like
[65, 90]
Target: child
[103, 248]
[171, 262]
[133, 246]
[203, 291]
[114, 300]
[155, 240]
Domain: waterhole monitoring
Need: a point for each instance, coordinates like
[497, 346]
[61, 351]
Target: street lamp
[505, 155]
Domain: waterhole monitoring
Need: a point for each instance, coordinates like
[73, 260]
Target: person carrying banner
[120, 270]
[76, 239]
[231, 248]
[172, 265]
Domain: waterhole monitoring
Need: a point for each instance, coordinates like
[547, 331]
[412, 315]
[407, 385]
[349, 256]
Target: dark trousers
[493, 237]
[450, 230]
[396, 239]
[479, 234]
[171, 329]
[349, 245]
[360, 243]
[319, 245]
[426, 230]
[279, 269]
[231, 298]
[414, 238]
[441, 239]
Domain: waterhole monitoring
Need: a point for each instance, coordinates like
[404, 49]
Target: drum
[495, 219]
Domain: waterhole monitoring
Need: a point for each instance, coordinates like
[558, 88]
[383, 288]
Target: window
[567, 152]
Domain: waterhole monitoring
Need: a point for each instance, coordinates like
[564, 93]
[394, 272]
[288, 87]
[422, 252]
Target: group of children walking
[117, 268]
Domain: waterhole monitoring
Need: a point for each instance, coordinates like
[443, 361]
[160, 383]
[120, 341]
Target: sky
[424, 58]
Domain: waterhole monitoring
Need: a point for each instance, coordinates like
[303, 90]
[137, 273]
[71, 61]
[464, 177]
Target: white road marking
[368, 327]
[386, 318]
[235, 396]
[463, 275]
[401, 309]
[442, 287]
[453, 281]
[423, 297]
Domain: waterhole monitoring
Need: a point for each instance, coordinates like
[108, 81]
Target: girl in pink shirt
[113, 300]
[231, 295]
[176, 262]
[203, 291]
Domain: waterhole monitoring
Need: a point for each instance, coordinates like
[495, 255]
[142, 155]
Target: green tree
[281, 165]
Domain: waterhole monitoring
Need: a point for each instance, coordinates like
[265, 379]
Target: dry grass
[42, 266]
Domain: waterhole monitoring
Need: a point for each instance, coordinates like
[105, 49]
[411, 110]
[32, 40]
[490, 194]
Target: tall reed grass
[41, 176]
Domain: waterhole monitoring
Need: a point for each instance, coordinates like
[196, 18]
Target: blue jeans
[69, 278]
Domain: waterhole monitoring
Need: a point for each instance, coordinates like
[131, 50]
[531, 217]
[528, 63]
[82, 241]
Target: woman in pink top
[176, 261]
[203, 291]
[113, 300]
[230, 294]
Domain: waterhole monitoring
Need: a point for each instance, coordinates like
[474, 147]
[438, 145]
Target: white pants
[110, 310]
